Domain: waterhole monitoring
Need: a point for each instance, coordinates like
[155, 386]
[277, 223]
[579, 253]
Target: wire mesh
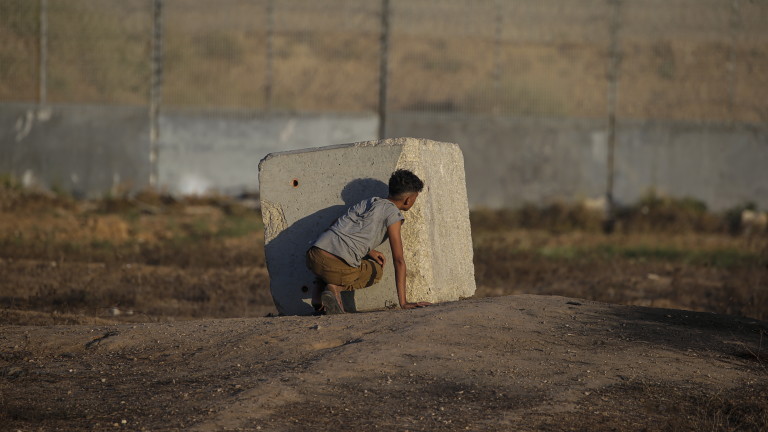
[691, 60]
[441, 58]
[556, 58]
[326, 55]
[675, 63]
[215, 54]
[19, 50]
[517, 58]
[98, 52]
[749, 62]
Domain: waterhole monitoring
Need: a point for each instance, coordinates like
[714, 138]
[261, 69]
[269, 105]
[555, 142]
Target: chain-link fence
[644, 59]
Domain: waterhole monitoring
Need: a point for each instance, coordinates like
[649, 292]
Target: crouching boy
[344, 258]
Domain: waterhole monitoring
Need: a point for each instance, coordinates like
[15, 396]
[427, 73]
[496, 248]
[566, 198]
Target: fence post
[42, 96]
[270, 55]
[155, 89]
[734, 27]
[613, 80]
[497, 56]
[383, 68]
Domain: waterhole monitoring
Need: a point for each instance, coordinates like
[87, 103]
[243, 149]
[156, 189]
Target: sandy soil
[507, 363]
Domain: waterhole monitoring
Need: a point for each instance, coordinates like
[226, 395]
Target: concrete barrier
[303, 192]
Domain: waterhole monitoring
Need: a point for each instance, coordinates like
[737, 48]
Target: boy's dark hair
[404, 182]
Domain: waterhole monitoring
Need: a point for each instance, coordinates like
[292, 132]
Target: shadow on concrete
[286, 253]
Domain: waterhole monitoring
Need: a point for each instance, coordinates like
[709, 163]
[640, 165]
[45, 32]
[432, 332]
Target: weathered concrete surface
[513, 161]
[85, 150]
[204, 151]
[90, 150]
[721, 165]
[303, 192]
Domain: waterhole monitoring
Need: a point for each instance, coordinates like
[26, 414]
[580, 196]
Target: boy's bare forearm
[400, 272]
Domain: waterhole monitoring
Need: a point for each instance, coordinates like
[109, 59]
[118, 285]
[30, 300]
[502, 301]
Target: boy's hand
[415, 305]
[377, 256]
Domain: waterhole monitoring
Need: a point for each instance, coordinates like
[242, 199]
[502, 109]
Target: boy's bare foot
[331, 300]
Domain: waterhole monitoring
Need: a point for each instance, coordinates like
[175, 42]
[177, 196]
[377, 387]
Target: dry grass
[662, 252]
[153, 257]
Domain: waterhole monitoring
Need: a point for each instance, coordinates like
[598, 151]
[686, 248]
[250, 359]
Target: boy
[343, 256]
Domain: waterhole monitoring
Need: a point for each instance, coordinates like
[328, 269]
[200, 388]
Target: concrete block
[304, 191]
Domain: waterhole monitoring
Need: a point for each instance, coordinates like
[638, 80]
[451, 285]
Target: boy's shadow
[291, 281]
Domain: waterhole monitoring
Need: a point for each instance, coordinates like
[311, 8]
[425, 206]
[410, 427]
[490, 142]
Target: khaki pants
[333, 270]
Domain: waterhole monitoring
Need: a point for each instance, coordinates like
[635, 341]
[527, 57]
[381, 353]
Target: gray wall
[200, 151]
[513, 161]
[86, 150]
[722, 165]
[90, 150]
[94, 150]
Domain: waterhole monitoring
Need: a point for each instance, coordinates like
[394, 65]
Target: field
[156, 258]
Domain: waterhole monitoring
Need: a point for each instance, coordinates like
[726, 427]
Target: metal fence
[699, 60]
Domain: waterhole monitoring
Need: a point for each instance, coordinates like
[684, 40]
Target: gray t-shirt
[361, 229]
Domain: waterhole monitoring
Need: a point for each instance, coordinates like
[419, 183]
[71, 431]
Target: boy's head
[404, 187]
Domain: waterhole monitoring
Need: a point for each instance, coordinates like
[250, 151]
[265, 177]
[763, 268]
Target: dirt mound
[506, 363]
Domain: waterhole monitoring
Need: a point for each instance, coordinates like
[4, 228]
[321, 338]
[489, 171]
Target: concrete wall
[200, 151]
[513, 161]
[722, 165]
[86, 150]
[90, 150]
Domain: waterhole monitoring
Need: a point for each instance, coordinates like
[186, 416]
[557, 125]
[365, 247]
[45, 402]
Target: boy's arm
[398, 260]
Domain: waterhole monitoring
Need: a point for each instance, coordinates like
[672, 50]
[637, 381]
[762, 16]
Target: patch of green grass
[560, 252]
[240, 226]
[102, 245]
[721, 258]
[197, 229]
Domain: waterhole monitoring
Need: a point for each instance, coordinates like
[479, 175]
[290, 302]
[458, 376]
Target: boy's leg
[369, 273]
[339, 277]
[331, 299]
[317, 289]
[336, 276]
[366, 275]
[315, 266]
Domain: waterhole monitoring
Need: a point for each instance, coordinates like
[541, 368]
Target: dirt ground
[154, 314]
[542, 363]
